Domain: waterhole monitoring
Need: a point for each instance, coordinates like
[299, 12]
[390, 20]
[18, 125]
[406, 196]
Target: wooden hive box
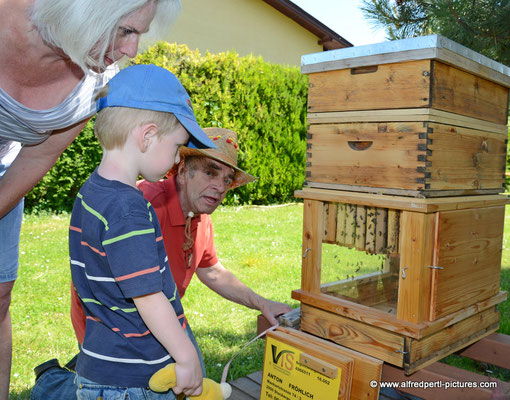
[422, 117]
[439, 287]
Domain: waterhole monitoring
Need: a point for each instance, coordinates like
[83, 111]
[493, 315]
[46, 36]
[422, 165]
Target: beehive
[408, 170]
[422, 117]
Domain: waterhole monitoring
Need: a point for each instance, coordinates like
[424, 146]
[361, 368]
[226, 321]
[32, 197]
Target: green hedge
[264, 103]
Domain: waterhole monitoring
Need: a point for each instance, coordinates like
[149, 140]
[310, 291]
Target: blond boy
[135, 321]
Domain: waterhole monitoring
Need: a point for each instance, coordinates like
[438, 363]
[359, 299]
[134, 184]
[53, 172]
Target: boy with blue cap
[135, 321]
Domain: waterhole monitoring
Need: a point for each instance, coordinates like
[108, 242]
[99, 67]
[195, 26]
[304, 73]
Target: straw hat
[225, 152]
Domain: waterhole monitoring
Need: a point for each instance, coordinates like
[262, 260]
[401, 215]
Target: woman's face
[128, 34]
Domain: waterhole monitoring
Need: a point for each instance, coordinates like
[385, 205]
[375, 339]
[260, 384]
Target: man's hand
[272, 309]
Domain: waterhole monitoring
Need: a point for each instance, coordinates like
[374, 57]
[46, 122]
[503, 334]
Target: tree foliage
[481, 25]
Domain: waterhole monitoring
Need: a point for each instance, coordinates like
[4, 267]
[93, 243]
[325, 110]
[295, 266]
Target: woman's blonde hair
[77, 26]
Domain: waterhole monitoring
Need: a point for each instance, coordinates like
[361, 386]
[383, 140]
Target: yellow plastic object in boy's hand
[165, 379]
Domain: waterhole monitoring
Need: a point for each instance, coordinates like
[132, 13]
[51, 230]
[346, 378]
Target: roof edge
[328, 38]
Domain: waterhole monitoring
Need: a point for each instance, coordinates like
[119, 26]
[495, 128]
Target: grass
[261, 245]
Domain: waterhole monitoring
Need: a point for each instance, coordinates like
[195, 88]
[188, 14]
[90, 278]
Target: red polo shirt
[165, 200]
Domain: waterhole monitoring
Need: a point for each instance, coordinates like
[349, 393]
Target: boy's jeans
[59, 383]
[88, 390]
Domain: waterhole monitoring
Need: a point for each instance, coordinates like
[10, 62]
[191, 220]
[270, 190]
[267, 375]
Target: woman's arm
[31, 165]
[159, 316]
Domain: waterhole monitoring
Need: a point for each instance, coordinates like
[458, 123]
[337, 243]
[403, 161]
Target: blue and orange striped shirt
[117, 253]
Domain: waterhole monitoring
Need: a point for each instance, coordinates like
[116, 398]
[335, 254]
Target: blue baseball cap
[149, 87]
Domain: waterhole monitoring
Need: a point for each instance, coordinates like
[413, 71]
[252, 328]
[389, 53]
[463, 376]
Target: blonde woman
[55, 55]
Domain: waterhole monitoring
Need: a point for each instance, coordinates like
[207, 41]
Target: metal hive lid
[425, 47]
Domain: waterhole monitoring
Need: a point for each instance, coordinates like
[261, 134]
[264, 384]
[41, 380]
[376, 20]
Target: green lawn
[261, 245]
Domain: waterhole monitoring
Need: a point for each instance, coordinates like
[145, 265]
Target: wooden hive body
[426, 121]
[438, 291]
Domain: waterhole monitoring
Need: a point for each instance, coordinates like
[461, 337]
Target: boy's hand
[189, 378]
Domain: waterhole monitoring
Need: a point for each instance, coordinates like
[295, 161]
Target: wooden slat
[238, 394]
[355, 335]
[381, 230]
[402, 203]
[337, 286]
[365, 369]
[325, 215]
[416, 253]
[390, 322]
[453, 318]
[391, 348]
[493, 349]
[312, 246]
[256, 377]
[361, 227]
[420, 194]
[406, 115]
[449, 340]
[470, 254]
[371, 230]
[393, 231]
[245, 388]
[359, 312]
[434, 270]
[447, 374]
[330, 223]
[341, 223]
[350, 225]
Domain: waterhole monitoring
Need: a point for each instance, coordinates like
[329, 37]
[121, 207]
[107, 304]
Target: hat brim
[241, 178]
[198, 138]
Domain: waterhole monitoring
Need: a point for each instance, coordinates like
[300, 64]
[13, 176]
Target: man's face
[203, 184]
